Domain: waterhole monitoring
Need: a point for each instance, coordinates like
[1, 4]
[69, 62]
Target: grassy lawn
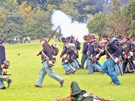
[25, 69]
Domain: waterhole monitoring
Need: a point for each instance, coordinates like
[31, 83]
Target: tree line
[122, 16]
[32, 18]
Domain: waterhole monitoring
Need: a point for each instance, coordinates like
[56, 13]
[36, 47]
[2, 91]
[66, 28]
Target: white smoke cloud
[67, 26]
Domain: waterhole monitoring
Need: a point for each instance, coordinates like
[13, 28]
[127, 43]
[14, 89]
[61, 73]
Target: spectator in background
[14, 40]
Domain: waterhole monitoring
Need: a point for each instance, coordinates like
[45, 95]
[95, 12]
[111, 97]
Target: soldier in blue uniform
[65, 63]
[127, 55]
[84, 52]
[46, 67]
[92, 53]
[111, 50]
[2, 59]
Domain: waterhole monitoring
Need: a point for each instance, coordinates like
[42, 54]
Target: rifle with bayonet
[5, 35]
[48, 40]
[104, 43]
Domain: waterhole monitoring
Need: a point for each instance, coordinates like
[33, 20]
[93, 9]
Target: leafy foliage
[33, 17]
[97, 24]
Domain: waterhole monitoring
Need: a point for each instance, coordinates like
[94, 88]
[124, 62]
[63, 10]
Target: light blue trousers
[84, 58]
[66, 66]
[2, 78]
[76, 63]
[92, 66]
[118, 69]
[47, 70]
[87, 63]
[108, 68]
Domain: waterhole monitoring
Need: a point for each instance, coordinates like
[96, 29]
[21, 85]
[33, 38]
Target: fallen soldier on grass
[76, 94]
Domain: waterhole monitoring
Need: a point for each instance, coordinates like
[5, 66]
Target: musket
[130, 35]
[118, 63]
[108, 39]
[115, 33]
[76, 39]
[53, 33]
[5, 35]
[70, 38]
[49, 39]
[130, 38]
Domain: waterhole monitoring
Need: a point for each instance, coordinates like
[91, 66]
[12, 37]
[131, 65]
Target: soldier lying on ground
[76, 94]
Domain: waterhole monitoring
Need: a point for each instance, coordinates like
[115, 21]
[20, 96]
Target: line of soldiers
[119, 52]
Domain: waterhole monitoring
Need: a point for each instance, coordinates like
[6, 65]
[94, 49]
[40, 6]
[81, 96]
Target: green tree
[97, 23]
[129, 10]
[117, 18]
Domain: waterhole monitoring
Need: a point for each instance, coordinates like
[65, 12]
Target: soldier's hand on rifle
[50, 62]
[38, 53]
[97, 56]
[116, 60]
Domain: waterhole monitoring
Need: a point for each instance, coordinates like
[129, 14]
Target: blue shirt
[85, 47]
[92, 53]
[47, 50]
[2, 54]
[113, 49]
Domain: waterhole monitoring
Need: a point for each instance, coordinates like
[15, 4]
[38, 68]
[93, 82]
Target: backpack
[55, 49]
[78, 45]
[97, 47]
[70, 48]
[121, 44]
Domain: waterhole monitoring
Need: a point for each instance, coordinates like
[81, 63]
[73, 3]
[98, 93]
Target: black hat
[63, 39]
[104, 36]
[68, 38]
[120, 36]
[44, 39]
[92, 37]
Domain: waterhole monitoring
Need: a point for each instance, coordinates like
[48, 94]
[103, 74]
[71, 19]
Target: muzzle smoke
[67, 26]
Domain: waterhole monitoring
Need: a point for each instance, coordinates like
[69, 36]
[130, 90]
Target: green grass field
[25, 69]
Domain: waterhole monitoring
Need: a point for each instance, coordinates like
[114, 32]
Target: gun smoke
[67, 26]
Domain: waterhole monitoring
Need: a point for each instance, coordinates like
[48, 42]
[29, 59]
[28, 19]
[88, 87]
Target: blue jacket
[113, 49]
[92, 53]
[128, 50]
[47, 50]
[2, 54]
[85, 47]
[64, 50]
